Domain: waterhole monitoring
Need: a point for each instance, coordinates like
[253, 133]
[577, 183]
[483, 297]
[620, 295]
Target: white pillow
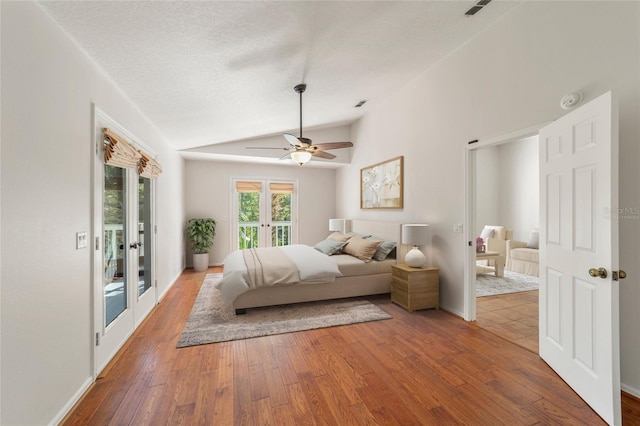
[486, 233]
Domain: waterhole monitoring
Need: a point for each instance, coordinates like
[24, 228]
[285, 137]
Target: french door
[264, 213]
[124, 230]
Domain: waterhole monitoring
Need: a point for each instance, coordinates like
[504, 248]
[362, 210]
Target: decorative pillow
[355, 234]
[534, 239]
[486, 233]
[338, 236]
[384, 249]
[329, 246]
[361, 248]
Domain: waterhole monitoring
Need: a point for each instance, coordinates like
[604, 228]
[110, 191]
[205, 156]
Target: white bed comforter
[314, 268]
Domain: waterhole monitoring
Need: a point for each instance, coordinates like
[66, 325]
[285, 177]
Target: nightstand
[415, 288]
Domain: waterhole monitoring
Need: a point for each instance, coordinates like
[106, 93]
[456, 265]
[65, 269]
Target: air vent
[359, 104]
[475, 9]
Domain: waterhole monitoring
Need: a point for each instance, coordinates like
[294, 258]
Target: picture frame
[382, 185]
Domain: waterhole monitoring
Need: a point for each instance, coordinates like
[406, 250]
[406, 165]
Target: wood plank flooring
[423, 368]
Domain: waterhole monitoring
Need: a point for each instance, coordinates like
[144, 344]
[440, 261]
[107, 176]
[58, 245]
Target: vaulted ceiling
[210, 72]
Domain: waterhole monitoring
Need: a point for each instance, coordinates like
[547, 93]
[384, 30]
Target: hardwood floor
[513, 316]
[427, 367]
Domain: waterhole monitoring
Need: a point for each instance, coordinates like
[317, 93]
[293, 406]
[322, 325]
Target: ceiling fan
[302, 149]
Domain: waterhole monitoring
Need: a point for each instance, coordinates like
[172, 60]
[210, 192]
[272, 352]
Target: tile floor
[513, 316]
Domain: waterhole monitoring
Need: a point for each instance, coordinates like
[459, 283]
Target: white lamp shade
[300, 157]
[415, 234]
[339, 225]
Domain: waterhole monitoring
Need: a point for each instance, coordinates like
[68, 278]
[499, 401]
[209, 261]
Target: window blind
[148, 166]
[281, 187]
[247, 186]
[118, 151]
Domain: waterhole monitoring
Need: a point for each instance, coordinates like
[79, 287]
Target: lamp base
[415, 258]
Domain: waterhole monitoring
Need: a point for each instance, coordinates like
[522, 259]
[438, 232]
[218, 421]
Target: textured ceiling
[209, 72]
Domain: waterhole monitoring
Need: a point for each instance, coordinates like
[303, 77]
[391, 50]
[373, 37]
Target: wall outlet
[457, 228]
[82, 239]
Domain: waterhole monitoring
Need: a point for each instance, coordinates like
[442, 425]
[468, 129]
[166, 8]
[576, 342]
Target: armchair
[497, 241]
[522, 257]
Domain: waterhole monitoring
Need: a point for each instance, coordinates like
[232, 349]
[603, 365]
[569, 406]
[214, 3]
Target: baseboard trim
[173, 281]
[72, 402]
[631, 390]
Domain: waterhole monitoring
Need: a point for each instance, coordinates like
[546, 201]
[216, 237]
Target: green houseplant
[201, 233]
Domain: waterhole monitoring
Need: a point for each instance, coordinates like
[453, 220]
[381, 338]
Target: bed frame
[342, 287]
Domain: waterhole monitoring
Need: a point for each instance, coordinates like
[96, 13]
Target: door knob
[133, 245]
[600, 272]
[622, 274]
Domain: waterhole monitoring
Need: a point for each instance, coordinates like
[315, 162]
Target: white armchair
[498, 241]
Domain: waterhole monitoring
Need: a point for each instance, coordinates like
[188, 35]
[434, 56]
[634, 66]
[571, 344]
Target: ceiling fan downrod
[300, 88]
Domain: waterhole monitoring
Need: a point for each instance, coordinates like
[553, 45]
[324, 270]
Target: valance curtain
[121, 153]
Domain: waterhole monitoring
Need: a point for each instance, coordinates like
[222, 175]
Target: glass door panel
[248, 220]
[144, 235]
[280, 219]
[115, 243]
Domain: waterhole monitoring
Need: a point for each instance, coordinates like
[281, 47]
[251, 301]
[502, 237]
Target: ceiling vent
[475, 9]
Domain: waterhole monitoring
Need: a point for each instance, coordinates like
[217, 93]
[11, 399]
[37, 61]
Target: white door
[124, 250]
[264, 213]
[579, 326]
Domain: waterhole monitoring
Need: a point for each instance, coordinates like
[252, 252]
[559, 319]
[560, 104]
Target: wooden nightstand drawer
[415, 288]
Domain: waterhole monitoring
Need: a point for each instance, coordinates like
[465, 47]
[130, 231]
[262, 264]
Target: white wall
[208, 192]
[48, 87]
[487, 189]
[510, 77]
[519, 187]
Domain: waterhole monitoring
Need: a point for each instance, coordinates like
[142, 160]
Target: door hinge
[97, 339]
[156, 283]
[155, 229]
[97, 243]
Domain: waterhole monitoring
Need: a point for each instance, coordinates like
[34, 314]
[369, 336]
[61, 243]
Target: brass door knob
[622, 274]
[600, 272]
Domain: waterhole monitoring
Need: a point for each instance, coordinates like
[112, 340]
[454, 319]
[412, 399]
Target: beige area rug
[210, 321]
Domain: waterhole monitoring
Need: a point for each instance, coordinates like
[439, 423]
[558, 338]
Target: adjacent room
[149, 150]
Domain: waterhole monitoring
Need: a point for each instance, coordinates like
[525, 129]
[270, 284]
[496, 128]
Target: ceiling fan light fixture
[300, 157]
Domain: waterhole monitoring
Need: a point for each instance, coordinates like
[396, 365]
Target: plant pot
[200, 262]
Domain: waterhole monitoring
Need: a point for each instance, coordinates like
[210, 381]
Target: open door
[579, 315]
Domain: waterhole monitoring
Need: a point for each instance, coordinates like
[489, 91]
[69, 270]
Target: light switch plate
[81, 240]
[457, 228]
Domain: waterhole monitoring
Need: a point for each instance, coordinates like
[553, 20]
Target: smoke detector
[571, 100]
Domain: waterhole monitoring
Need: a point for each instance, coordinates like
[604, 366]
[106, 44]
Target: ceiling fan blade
[293, 141]
[287, 156]
[322, 154]
[332, 145]
[264, 147]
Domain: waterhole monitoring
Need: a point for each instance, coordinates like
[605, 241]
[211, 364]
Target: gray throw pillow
[329, 246]
[384, 249]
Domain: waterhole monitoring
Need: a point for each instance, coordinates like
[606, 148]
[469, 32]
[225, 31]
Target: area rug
[512, 282]
[210, 321]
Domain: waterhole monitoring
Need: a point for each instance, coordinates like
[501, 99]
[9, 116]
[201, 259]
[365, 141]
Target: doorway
[507, 209]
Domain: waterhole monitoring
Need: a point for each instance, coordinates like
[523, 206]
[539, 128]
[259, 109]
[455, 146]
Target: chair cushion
[525, 254]
[534, 239]
[487, 233]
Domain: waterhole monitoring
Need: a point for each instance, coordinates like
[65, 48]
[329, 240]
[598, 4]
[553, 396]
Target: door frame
[469, 311]
[99, 120]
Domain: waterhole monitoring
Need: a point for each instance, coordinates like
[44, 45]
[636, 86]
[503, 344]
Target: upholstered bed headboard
[389, 231]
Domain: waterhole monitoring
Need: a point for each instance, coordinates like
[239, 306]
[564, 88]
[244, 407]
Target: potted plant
[201, 232]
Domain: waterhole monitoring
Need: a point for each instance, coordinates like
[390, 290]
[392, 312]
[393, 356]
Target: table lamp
[415, 234]
[339, 225]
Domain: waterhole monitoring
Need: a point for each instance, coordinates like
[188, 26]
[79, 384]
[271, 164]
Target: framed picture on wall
[381, 185]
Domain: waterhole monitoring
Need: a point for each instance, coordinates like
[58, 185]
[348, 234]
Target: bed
[357, 278]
